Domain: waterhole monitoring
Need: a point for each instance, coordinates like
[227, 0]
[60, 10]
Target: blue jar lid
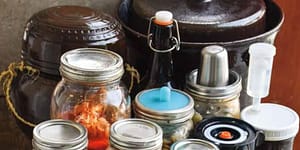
[164, 104]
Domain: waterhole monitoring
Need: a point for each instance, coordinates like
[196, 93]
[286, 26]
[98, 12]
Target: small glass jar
[91, 93]
[220, 101]
[59, 135]
[135, 134]
[170, 108]
[193, 144]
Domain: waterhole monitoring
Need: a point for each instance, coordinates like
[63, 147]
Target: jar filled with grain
[91, 92]
[171, 109]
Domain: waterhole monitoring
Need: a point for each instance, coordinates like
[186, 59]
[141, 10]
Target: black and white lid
[228, 132]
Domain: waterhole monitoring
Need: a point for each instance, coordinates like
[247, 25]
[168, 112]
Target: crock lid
[165, 105]
[60, 135]
[91, 65]
[276, 121]
[136, 134]
[52, 31]
[72, 23]
[208, 16]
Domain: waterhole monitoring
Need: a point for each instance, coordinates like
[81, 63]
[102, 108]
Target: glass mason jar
[220, 101]
[138, 134]
[193, 144]
[91, 93]
[59, 135]
[171, 109]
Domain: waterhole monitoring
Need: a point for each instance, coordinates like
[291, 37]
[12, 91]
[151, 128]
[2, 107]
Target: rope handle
[134, 75]
[6, 78]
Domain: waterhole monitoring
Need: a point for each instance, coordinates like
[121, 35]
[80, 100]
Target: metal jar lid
[91, 65]
[193, 144]
[199, 92]
[151, 105]
[136, 134]
[59, 135]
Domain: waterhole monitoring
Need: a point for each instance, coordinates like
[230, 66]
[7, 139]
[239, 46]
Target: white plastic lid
[262, 50]
[276, 121]
[164, 16]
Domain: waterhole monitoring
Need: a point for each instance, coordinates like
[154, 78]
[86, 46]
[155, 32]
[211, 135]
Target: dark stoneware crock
[236, 38]
[48, 34]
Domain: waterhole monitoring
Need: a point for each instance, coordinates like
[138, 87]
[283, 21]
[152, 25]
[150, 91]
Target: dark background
[285, 86]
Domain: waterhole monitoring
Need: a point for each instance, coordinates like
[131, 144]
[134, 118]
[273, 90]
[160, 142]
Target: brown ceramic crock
[234, 24]
[48, 34]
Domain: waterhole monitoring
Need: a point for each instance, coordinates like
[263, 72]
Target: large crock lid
[53, 31]
[73, 23]
[209, 18]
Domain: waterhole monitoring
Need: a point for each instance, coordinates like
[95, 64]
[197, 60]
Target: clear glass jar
[171, 109]
[175, 132]
[193, 144]
[91, 92]
[59, 134]
[138, 134]
[220, 101]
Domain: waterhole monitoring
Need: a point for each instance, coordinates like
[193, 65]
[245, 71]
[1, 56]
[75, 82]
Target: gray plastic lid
[276, 121]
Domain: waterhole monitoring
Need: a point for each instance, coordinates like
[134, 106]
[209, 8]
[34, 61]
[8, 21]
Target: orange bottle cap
[225, 135]
[163, 18]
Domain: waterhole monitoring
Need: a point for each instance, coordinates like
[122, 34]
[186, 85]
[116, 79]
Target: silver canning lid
[91, 65]
[136, 134]
[166, 116]
[222, 92]
[59, 135]
[193, 144]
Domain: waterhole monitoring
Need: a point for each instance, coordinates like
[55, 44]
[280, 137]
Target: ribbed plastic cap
[163, 17]
[278, 122]
[262, 49]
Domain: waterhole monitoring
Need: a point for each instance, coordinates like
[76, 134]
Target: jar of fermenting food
[90, 92]
[170, 108]
[193, 144]
[215, 89]
[59, 135]
[280, 132]
[47, 35]
[135, 134]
